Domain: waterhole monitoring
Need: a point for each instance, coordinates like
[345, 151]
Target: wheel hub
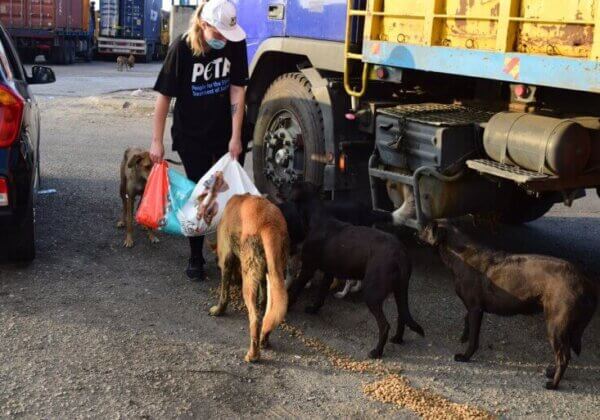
[283, 149]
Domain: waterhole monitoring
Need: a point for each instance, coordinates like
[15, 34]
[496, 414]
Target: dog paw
[215, 311]
[251, 357]
[550, 385]
[460, 358]
[311, 309]
[550, 371]
[265, 344]
[339, 295]
[128, 243]
[375, 354]
[120, 224]
[396, 340]
[154, 240]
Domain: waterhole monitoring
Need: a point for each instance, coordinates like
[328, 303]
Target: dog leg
[343, 293]
[357, 287]
[229, 268]
[475, 316]
[253, 271]
[550, 371]
[129, 237]
[152, 237]
[306, 273]
[562, 353]
[321, 295]
[249, 289]
[383, 326]
[122, 192]
[465, 334]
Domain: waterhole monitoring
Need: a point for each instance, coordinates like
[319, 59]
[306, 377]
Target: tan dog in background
[121, 63]
[135, 168]
[130, 61]
[252, 238]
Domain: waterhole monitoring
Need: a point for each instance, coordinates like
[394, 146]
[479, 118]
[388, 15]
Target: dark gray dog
[505, 284]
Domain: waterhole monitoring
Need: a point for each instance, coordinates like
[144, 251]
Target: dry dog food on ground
[392, 388]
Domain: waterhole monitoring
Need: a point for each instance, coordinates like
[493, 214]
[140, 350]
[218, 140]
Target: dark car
[19, 144]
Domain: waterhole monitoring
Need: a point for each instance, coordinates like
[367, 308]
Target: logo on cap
[233, 21]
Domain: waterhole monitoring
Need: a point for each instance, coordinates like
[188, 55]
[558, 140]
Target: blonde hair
[194, 35]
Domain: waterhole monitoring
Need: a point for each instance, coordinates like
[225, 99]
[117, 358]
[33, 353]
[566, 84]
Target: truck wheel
[525, 208]
[288, 131]
[24, 249]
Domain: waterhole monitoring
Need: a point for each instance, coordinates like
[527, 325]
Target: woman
[206, 70]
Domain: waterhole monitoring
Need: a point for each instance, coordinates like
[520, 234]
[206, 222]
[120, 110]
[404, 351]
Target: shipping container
[59, 29]
[109, 17]
[140, 19]
[44, 14]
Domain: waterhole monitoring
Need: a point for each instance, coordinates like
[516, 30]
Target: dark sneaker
[195, 270]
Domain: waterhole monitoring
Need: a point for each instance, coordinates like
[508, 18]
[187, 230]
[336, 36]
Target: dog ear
[135, 159]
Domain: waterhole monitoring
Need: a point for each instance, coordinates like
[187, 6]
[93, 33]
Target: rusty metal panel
[548, 27]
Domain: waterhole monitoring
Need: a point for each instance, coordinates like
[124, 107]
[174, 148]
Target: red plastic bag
[152, 208]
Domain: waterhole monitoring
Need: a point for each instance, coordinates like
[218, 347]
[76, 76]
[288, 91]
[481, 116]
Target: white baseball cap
[222, 15]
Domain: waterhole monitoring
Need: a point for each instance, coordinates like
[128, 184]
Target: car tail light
[11, 113]
[3, 192]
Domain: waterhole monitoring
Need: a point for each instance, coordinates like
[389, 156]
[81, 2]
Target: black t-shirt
[202, 114]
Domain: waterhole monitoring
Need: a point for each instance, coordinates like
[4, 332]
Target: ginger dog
[252, 238]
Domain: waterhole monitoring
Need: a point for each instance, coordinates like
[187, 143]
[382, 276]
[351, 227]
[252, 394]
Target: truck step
[510, 172]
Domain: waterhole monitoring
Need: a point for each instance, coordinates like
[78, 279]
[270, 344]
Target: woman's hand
[235, 148]
[157, 151]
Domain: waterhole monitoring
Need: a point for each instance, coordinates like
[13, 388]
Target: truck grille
[438, 114]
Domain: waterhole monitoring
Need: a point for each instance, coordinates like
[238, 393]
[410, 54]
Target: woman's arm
[161, 109]
[237, 94]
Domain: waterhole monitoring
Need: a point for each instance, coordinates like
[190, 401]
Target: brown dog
[130, 61]
[135, 168]
[505, 284]
[252, 239]
[207, 200]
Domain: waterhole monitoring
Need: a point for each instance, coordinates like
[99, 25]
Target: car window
[4, 62]
[11, 57]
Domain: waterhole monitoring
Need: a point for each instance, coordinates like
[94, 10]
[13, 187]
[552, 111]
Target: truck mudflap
[121, 46]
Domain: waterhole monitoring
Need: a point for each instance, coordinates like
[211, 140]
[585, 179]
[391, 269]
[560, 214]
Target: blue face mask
[216, 44]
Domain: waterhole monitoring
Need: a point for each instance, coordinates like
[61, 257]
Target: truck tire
[525, 208]
[24, 249]
[288, 131]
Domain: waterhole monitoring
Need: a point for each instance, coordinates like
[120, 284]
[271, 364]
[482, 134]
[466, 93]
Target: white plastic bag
[224, 180]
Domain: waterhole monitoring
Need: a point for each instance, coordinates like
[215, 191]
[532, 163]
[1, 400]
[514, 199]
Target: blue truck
[442, 109]
[130, 27]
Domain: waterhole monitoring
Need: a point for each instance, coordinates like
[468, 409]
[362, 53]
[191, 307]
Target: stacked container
[109, 18]
[140, 19]
[64, 15]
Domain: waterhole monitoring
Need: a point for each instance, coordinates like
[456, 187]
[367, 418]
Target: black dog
[346, 251]
[505, 284]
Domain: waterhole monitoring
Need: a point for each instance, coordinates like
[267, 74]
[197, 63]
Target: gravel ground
[94, 330]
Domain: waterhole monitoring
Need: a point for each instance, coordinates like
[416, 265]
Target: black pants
[196, 163]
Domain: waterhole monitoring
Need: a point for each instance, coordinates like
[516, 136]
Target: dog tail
[401, 296]
[277, 297]
[586, 308]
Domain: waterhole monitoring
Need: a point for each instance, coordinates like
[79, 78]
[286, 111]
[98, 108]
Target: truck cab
[482, 109]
